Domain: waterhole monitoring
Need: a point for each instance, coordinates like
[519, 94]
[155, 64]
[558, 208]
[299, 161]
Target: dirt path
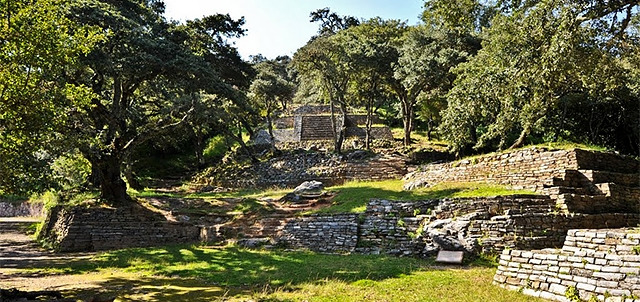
[19, 250]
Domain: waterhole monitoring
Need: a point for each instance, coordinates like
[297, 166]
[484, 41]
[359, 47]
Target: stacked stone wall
[604, 161]
[525, 169]
[21, 209]
[421, 228]
[333, 233]
[533, 169]
[593, 263]
[418, 228]
[94, 229]
[290, 171]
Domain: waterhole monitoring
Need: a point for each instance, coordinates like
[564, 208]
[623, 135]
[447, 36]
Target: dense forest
[89, 89]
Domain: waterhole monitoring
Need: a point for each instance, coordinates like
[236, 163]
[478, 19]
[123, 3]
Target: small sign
[453, 257]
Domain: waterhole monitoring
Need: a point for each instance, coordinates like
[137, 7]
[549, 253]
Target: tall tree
[330, 22]
[324, 63]
[37, 43]
[271, 89]
[372, 49]
[138, 75]
[536, 57]
[426, 60]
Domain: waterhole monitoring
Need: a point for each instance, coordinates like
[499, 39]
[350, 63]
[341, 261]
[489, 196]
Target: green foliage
[49, 199]
[12, 198]
[150, 76]
[272, 88]
[215, 149]
[427, 57]
[71, 171]
[544, 71]
[572, 294]
[38, 44]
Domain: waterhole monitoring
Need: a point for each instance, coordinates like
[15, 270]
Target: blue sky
[280, 27]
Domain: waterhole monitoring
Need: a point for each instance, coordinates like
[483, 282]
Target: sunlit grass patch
[352, 197]
[197, 273]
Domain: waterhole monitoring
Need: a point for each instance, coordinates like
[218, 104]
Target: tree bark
[334, 128]
[245, 124]
[199, 146]
[270, 128]
[242, 145]
[341, 131]
[112, 188]
[407, 120]
[520, 141]
[131, 177]
[369, 123]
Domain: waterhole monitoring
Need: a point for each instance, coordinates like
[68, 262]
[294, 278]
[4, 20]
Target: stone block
[557, 289]
[585, 286]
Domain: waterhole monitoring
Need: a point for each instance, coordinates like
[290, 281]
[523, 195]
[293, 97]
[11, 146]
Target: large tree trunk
[334, 128]
[407, 121]
[199, 147]
[270, 129]
[341, 131]
[112, 188]
[520, 141]
[245, 124]
[243, 146]
[369, 123]
[131, 177]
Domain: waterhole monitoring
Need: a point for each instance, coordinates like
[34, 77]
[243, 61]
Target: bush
[71, 171]
[215, 149]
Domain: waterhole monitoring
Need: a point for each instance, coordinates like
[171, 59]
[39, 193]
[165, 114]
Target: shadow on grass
[231, 270]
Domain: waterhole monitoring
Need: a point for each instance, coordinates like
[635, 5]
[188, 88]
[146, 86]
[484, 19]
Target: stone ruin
[574, 190]
[313, 123]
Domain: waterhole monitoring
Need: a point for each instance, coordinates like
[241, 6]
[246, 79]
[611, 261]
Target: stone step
[623, 179]
[596, 204]
[557, 190]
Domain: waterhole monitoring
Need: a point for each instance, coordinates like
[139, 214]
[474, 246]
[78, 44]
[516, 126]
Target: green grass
[352, 197]
[239, 274]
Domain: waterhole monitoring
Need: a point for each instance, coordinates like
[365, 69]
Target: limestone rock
[260, 138]
[253, 242]
[309, 187]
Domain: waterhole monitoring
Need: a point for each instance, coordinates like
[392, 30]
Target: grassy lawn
[193, 273]
[352, 197]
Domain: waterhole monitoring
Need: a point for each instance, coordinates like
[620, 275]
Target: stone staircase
[316, 127]
[596, 191]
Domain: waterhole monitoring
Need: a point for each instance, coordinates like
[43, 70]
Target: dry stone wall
[525, 169]
[532, 168]
[593, 263]
[293, 169]
[422, 228]
[94, 229]
[333, 233]
[21, 209]
[417, 228]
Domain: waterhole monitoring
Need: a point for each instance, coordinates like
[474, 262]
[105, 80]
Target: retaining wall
[422, 228]
[292, 170]
[532, 168]
[21, 209]
[94, 229]
[593, 263]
